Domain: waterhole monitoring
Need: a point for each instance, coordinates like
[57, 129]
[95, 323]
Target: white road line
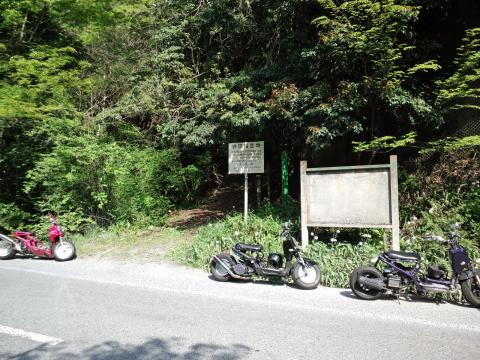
[29, 335]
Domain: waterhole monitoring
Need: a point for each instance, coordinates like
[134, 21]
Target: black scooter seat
[247, 247]
[402, 255]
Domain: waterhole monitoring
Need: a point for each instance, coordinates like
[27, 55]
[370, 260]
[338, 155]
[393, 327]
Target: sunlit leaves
[462, 89]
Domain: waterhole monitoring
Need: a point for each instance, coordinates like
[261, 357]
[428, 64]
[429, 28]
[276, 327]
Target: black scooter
[401, 272]
[246, 260]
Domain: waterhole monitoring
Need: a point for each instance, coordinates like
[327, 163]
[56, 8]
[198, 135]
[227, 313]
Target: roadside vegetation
[339, 251]
[116, 113]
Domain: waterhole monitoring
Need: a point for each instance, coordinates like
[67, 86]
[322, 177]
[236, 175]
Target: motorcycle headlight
[374, 260]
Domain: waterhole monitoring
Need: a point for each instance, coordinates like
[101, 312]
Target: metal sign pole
[245, 205]
[303, 202]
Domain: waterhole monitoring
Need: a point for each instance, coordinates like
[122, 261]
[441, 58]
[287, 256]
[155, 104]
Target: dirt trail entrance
[220, 202]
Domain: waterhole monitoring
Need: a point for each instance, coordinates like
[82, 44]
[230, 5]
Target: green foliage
[11, 217]
[438, 220]
[109, 183]
[462, 90]
[221, 236]
[385, 143]
[337, 259]
[389, 143]
[364, 54]
[431, 204]
[453, 144]
[118, 111]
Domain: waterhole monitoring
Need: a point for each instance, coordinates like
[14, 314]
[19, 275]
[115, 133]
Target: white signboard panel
[360, 198]
[246, 158]
[350, 197]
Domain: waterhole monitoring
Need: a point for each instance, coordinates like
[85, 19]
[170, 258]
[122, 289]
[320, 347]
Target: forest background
[114, 113]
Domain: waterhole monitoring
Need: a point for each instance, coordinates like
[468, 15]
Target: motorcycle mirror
[53, 217]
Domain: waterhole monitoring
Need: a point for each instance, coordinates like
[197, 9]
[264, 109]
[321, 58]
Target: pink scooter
[26, 243]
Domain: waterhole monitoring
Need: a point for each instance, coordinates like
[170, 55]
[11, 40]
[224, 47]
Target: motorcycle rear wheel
[64, 251]
[7, 250]
[361, 291]
[306, 278]
[218, 271]
[471, 292]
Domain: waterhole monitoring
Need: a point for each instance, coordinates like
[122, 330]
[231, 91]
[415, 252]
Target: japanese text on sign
[246, 158]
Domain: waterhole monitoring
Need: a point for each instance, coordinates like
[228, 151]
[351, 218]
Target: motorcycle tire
[7, 250]
[218, 271]
[471, 292]
[306, 278]
[361, 291]
[64, 251]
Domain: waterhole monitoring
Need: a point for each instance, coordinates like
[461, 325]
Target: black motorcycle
[246, 260]
[401, 271]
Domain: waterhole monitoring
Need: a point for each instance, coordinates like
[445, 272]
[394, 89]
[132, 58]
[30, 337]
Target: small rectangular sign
[246, 158]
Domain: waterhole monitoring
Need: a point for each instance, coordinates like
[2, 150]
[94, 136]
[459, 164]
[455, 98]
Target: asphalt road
[111, 310]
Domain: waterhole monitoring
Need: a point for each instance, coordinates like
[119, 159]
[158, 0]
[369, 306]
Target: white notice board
[246, 158]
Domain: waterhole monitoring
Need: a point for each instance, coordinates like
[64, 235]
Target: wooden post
[284, 176]
[245, 205]
[394, 203]
[269, 189]
[259, 190]
[303, 203]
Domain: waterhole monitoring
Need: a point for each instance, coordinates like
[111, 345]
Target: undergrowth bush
[337, 251]
[105, 182]
[263, 227]
[337, 257]
[222, 235]
[11, 217]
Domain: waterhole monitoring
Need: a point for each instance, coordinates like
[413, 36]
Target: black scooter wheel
[218, 271]
[471, 292]
[361, 291]
[306, 278]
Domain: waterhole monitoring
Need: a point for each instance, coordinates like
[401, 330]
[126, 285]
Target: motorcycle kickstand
[404, 294]
[397, 297]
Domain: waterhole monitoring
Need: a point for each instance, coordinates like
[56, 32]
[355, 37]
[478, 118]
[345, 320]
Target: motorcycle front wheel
[306, 277]
[64, 251]
[218, 270]
[361, 291]
[7, 251]
[471, 292]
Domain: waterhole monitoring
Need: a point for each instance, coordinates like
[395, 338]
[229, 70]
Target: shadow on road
[273, 282]
[411, 298]
[154, 349]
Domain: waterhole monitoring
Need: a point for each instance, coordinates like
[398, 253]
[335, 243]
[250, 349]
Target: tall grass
[337, 252]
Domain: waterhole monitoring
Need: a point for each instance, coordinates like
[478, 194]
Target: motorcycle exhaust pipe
[14, 243]
[375, 284]
[230, 272]
[436, 288]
